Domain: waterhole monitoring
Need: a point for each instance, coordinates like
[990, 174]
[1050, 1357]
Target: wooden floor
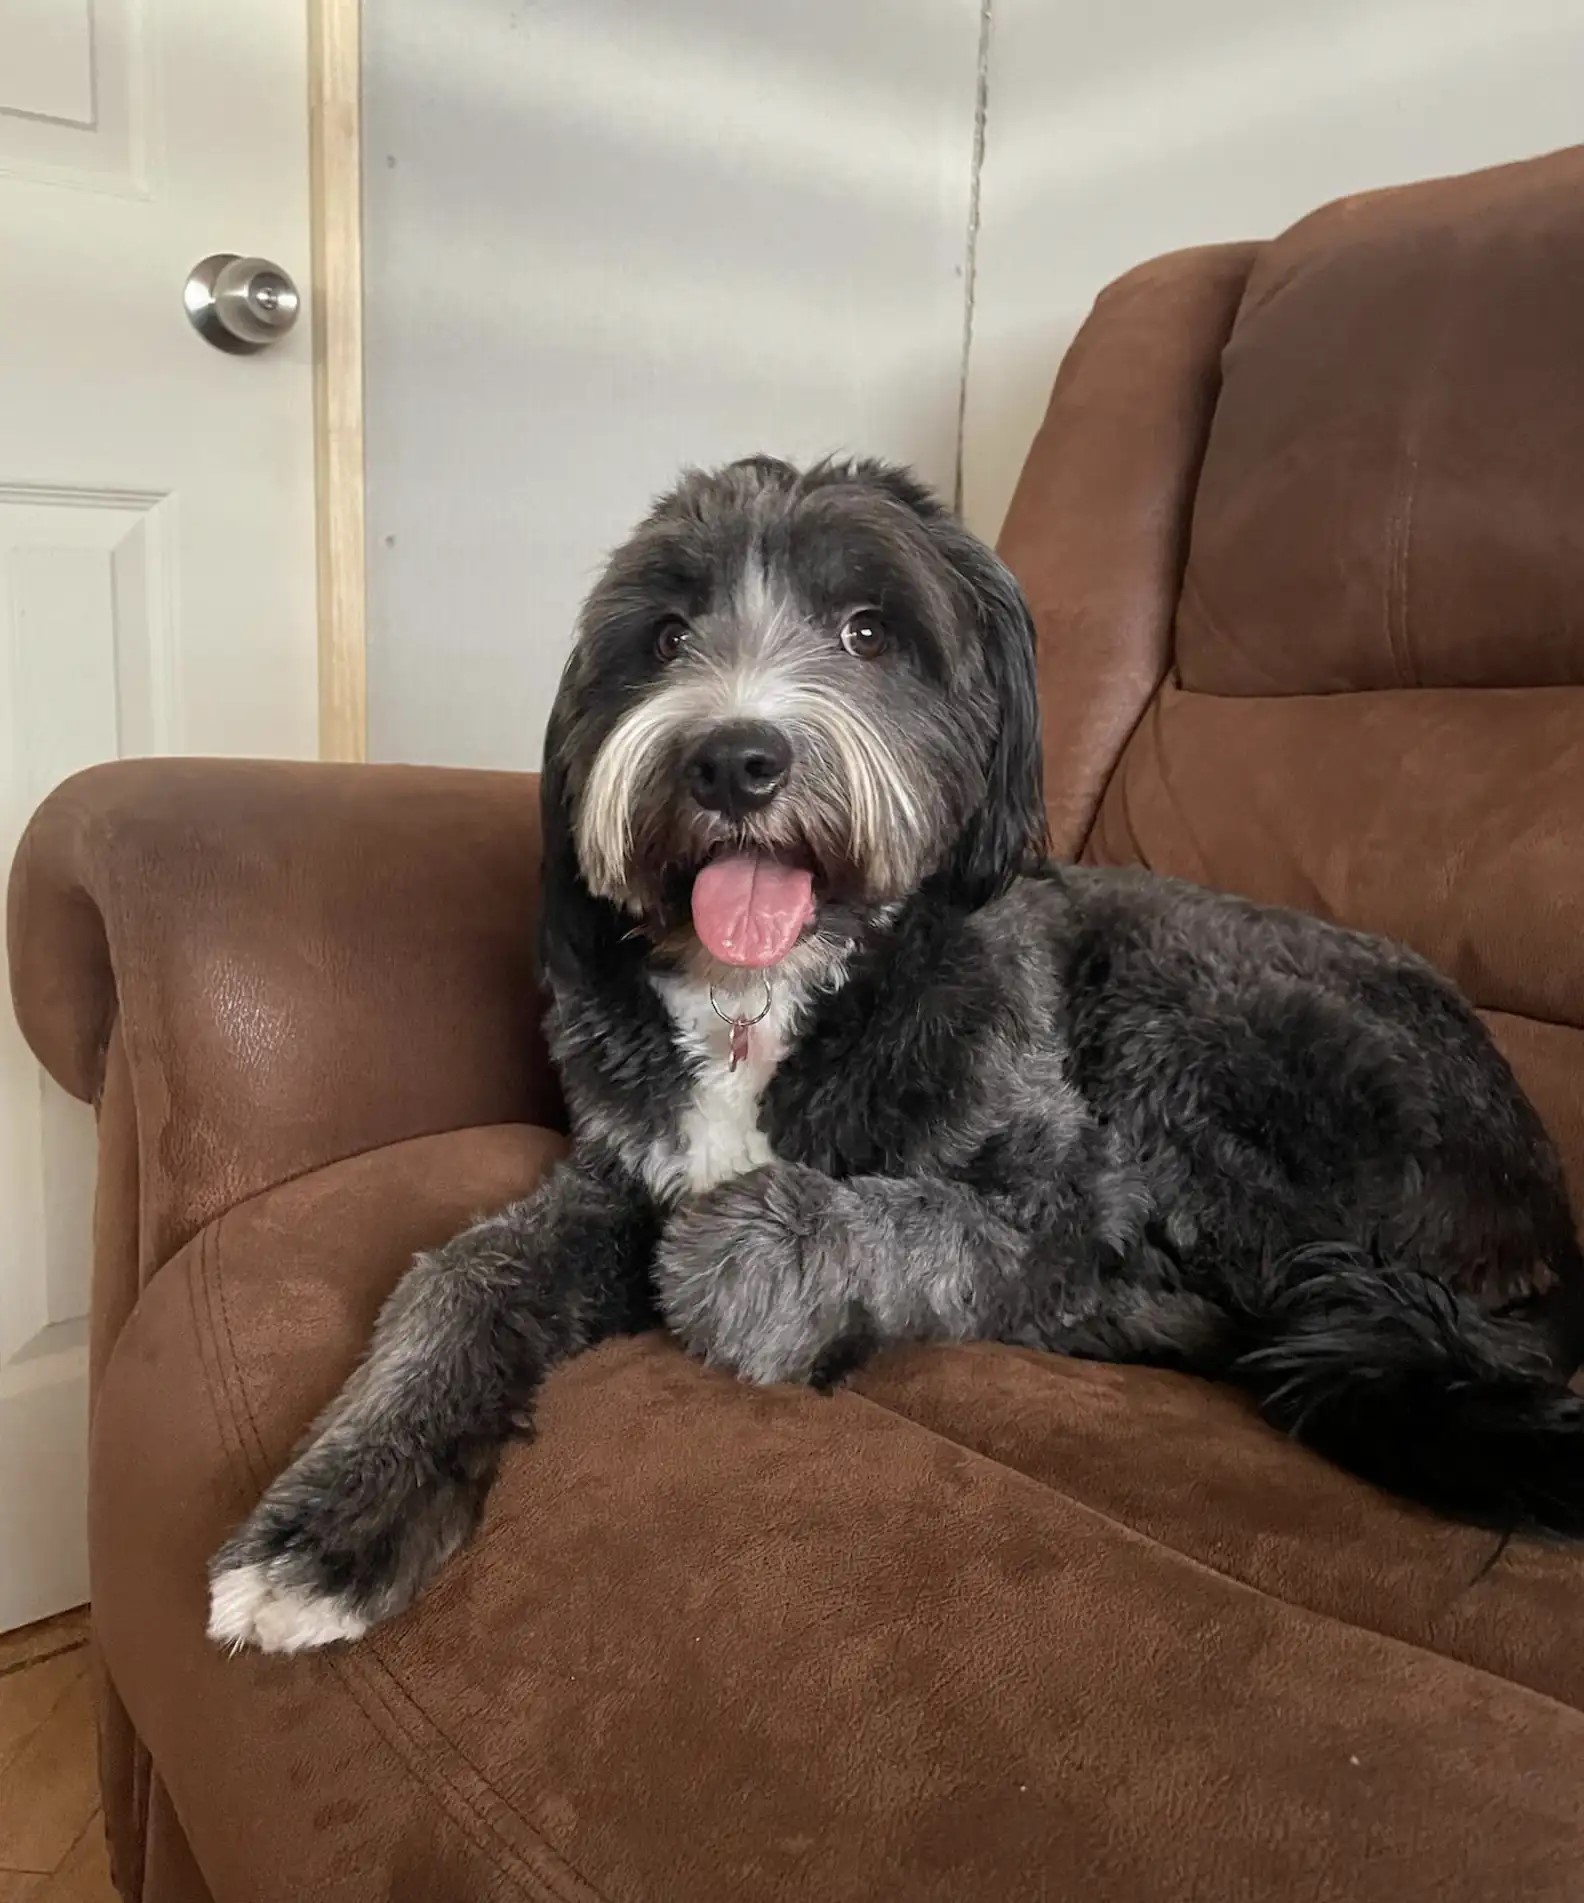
[51, 1830]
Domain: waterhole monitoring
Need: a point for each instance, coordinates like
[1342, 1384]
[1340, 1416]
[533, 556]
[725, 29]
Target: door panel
[157, 589]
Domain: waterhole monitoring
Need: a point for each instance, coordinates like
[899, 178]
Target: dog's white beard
[849, 793]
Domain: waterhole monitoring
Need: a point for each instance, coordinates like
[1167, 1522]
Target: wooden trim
[335, 174]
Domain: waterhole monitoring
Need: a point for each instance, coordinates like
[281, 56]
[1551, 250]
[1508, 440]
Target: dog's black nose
[739, 768]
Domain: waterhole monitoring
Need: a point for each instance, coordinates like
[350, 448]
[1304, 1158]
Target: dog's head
[795, 698]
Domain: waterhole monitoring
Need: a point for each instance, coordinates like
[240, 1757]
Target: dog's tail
[1414, 1387]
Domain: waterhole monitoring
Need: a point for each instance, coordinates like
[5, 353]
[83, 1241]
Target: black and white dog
[849, 1063]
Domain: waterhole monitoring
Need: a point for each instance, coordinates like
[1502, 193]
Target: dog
[850, 1063]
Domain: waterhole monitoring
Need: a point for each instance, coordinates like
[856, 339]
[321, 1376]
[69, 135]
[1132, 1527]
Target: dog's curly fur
[1102, 1113]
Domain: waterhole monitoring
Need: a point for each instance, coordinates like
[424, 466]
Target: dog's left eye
[864, 635]
[670, 638]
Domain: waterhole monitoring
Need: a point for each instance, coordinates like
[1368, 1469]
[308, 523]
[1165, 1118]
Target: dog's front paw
[753, 1277]
[276, 1606]
[344, 1538]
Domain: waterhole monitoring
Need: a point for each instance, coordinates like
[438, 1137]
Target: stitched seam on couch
[537, 1866]
[485, 1810]
[1193, 596]
[202, 1239]
[1136, 1535]
[185, 1240]
[142, 1784]
[212, 1326]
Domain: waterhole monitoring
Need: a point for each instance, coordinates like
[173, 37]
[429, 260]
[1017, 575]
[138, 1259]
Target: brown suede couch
[1304, 535]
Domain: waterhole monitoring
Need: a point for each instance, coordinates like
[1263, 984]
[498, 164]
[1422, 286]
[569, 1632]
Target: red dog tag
[738, 1026]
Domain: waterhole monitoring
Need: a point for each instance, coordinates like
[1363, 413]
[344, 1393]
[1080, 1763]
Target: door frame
[335, 184]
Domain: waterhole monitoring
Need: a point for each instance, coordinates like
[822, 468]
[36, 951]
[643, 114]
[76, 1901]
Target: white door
[156, 553]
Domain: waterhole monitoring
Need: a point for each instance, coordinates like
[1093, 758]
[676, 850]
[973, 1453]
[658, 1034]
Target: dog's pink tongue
[750, 910]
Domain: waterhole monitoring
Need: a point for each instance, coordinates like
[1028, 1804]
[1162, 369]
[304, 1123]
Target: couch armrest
[305, 961]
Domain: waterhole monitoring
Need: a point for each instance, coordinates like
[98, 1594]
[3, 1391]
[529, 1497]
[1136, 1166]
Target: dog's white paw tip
[246, 1607]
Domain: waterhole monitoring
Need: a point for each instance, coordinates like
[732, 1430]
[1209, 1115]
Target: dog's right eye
[670, 638]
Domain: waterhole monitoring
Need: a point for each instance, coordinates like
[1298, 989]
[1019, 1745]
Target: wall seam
[971, 239]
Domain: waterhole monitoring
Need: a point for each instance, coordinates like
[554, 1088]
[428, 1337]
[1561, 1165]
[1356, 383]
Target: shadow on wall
[1118, 133]
[602, 241]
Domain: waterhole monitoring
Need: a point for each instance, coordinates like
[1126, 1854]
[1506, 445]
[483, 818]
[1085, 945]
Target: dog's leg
[394, 1474]
[785, 1274]
[789, 1275]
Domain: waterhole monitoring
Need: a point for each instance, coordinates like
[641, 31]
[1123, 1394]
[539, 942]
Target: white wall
[606, 237]
[1116, 131]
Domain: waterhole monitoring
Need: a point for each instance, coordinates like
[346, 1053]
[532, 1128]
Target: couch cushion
[717, 1642]
[1393, 490]
[1452, 821]
[1192, 1467]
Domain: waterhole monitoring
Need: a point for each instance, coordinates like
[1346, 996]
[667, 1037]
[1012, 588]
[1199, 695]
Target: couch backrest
[1304, 536]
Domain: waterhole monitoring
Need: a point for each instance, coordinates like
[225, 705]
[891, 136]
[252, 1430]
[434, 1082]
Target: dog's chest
[716, 1133]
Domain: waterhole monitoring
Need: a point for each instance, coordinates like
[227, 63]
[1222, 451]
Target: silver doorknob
[240, 304]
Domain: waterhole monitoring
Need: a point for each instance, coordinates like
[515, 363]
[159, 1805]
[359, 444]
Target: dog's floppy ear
[583, 939]
[576, 929]
[560, 883]
[1009, 834]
